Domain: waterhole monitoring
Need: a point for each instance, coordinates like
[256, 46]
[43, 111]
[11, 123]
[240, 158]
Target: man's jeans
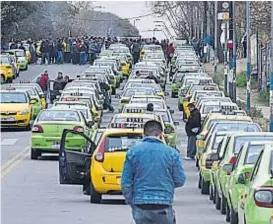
[191, 149]
[159, 216]
[60, 57]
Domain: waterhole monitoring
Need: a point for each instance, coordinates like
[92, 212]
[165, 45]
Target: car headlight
[23, 112]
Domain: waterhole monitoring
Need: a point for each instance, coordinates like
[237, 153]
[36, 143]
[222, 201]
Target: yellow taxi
[6, 69]
[16, 108]
[210, 120]
[98, 168]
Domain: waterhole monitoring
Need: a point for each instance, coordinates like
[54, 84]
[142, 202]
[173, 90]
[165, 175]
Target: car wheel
[2, 79]
[114, 91]
[211, 193]
[197, 163]
[199, 182]
[173, 95]
[204, 187]
[86, 189]
[180, 107]
[227, 213]
[10, 80]
[214, 195]
[217, 201]
[223, 205]
[95, 197]
[34, 154]
[233, 216]
[26, 68]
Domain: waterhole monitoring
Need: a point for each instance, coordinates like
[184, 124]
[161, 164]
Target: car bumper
[48, 143]
[105, 182]
[15, 121]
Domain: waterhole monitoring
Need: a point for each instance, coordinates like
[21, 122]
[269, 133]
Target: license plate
[56, 145]
[8, 119]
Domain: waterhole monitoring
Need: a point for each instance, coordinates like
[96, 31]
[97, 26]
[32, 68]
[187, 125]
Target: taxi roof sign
[134, 110]
[10, 88]
[76, 94]
[126, 125]
[135, 119]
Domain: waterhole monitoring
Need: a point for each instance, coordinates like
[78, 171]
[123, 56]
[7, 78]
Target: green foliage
[241, 80]
[264, 96]
[219, 78]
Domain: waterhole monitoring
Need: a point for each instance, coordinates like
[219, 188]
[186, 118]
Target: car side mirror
[166, 94]
[187, 99]
[100, 108]
[78, 76]
[213, 157]
[60, 91]
[117, 96]
[227, 167]
[168, 130]
[176, 123]
[33, 101]
[171, 111]
[241, 179]
[200, 137]
[97, 119]
[42, 95]
[58, 97]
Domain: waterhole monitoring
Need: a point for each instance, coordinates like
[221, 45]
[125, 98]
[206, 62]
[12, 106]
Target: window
[217, 140]
[59, 115]
[13, 97]
[256, 167]
[252, 154]
[241, 140]
[121, 143]
[245, 127]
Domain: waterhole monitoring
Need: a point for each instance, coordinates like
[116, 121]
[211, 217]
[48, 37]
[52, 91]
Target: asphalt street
[31, 192]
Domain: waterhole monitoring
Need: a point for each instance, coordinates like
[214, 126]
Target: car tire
[199, 182]
[95, 197]
[223, 205]
[173, 95]
[217, 201]
[180, 108]
[26, 68]
[227, 213]
[204, 187]
[197, 163]
[10, 80]
[34, 154]
[2, 79]
[214, 195]
[211, 193]
[233, 216]
[86, 189]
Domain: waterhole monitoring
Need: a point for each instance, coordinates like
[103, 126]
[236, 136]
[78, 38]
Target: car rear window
[217, 141]
[131, 92]
[13, 97]
[245, 127]
[59, 115]
[252, 154]
[240, 141]
[121, 143]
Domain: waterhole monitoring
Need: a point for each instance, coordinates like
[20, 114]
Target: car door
[74, 167]
[54, 88]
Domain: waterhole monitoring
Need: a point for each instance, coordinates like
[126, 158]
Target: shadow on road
[14, 130]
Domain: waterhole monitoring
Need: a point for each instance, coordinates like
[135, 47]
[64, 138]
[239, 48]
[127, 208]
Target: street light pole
[226, 58]
[271, 74]
[234, 52]
[215, 38]
[248, 71]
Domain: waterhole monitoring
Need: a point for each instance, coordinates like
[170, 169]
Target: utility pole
[226, 57]
[234, 52]
[215, 37]
[248, 71]
[271, 74]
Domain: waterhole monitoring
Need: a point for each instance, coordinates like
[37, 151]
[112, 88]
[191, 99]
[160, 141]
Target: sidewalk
[241, 93]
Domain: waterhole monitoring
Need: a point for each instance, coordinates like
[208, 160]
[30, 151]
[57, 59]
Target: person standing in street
[135, 51]
[193, 127]
[43, 81]
[44, 48]
[152, 171]
[169, 53]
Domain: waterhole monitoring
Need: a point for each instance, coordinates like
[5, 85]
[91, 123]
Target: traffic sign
[223, 15]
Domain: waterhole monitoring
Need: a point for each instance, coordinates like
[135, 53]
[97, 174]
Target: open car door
[74, 166]
[54, 88]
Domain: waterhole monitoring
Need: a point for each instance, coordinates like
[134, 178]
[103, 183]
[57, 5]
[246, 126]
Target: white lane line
[7, 142]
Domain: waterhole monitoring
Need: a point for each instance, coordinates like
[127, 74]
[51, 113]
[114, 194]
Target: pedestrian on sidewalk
[193, 127]
[152, 170]
[170, 52]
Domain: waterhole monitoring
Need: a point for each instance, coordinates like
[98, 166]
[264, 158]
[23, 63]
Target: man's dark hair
[152, 128]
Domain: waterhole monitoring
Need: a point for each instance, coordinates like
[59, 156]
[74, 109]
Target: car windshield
[178, 77]
[13, 97]
[121, 143]
[245, 127]
[156, 56]
[208, 108]
[19, 53]
[4, 60]
[252, 154]
[202, 94]
[152, 48]
[131, 92]
[59, 115]
[217, 141]
[158, 104]
[147, 85]
[241, 140]
[30, 90]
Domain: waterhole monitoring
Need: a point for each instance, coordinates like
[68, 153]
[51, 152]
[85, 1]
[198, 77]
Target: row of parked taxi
[234, 155]
[12, 62]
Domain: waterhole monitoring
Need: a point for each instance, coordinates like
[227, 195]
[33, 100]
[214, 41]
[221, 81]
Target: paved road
[31, 193]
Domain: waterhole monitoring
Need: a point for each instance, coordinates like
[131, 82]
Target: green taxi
[48, 128]
[20, 58]
[256, 201]
[241, 171]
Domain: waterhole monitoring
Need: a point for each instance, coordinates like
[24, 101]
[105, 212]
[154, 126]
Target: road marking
[9, 165]
[10, 141]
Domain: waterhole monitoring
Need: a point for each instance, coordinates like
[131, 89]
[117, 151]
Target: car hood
[13, 106]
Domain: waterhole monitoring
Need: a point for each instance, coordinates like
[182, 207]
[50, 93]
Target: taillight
[37, 129]
[263, 197]
[78, 129]
[100, 153]
[233, 160]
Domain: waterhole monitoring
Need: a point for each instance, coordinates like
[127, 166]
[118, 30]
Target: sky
[126, 9]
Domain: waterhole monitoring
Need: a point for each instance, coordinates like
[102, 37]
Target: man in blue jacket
[151, 172]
